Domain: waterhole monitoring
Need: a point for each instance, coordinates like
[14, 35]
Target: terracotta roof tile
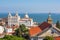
[44, 25]
[38, 29]
[34, 31]
[57, 38]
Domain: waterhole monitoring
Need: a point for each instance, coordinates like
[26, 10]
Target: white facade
[9, 30]
[26, 20]
[13, 20]
[16, 20]
[1, 30]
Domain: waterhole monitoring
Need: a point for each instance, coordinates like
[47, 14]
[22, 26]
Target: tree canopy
[48, 38]
[58, 24]
[10, 37]
[22, 31]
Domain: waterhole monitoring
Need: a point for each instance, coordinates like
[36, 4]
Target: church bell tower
[49, 20]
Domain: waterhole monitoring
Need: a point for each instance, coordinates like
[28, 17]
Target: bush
[48, 38]
[10, 37]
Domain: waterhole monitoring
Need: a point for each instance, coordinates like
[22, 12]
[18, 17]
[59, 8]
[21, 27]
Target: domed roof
[1, 29]
[26, 15]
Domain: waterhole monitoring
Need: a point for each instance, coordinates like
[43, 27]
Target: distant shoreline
[36, 17]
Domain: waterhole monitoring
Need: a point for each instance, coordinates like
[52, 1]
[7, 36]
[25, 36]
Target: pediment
[50, 32]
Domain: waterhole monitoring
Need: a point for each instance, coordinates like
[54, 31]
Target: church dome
[1, 29]
[26, 15]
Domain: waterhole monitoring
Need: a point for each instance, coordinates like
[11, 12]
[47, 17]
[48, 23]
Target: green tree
[10, 37]
[58, 24]
[22, 31]
[48, 38]
[18, 32]
[23, 28]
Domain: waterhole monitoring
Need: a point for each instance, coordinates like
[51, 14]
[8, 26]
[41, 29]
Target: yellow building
[49, 20]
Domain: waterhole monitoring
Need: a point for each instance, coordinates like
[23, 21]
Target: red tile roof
[44, 25]
[57, 38]
[34, 31]
[38, 29]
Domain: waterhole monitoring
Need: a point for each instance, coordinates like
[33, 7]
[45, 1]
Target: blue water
[36, 17]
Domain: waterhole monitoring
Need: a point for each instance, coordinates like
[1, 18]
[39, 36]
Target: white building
[26, 20]
[16, 20]
[9, 31]
[1, 29]
[13, 20]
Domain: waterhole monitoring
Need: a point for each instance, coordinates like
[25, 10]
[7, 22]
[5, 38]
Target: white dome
[26, 16]
[1, 29]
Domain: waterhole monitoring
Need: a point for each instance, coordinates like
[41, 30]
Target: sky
[30, 6]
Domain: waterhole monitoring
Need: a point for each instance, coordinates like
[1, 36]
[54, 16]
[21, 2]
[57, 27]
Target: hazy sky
[31, 6]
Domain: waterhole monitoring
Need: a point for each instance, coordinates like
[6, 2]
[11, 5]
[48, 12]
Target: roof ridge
[43, 31]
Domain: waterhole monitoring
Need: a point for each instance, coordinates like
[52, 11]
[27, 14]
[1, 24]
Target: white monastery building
[16, 20]
[13, 20]
[26, 20]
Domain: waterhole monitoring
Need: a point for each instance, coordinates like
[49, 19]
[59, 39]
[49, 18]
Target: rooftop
[57, 38]
[34, 30]
[38, 29]
[44, 25]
